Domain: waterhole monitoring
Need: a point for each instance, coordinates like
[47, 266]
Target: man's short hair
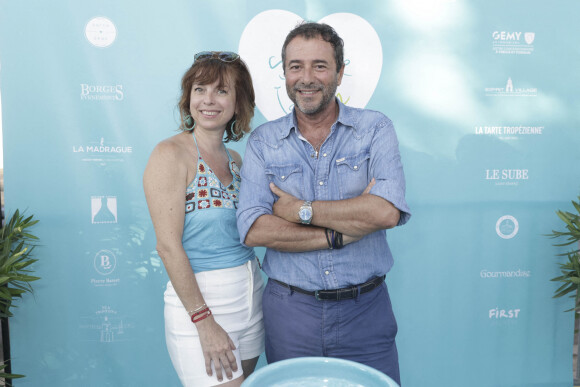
[310, 30]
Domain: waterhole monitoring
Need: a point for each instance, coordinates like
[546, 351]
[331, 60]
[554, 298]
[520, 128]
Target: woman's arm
[164, 182]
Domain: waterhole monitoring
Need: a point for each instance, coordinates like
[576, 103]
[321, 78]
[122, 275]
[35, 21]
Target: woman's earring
[232, 126]
[189, 123]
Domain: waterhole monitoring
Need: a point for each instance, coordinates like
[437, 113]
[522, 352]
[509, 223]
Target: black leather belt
[337, 294]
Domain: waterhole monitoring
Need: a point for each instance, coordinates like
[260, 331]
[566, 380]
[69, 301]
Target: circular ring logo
[105, 262]
[100, 32]
[507, 227]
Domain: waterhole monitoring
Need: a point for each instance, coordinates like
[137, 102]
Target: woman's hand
[217, 348]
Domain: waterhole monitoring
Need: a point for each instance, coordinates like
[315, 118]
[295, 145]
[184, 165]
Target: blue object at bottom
[318, 372]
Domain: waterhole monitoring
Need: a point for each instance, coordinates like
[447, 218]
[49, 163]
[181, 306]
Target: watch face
[305, 214]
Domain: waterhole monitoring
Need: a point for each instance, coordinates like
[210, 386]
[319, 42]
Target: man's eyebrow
[313, 61]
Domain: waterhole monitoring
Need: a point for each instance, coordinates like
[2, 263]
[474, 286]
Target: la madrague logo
[260, 47]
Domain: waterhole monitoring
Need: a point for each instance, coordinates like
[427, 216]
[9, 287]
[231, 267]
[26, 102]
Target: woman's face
[212, 106]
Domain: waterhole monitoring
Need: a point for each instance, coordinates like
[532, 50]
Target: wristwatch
[305, 212]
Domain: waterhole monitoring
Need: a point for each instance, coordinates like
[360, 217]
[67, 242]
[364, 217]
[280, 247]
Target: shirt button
[355, 167]
[327, 272]
[320, 183]
[283, 177]
[324, 154]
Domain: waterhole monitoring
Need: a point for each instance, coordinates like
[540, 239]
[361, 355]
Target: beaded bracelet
[334, 240]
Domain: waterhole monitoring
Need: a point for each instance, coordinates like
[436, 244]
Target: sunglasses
[224, 56]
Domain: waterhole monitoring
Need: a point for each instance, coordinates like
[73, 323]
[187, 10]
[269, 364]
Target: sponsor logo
[510, 274]
[497, 313]
[100, 32]
[509, 42]
[507, 177]
[105, 263]
[101, 92]
[507, 227]
[102, 152]
[510, 91]
[509, 132]
[103, 209]
[260, 44]
[105, 326]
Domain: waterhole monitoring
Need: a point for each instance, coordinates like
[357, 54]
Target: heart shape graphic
[261, 45]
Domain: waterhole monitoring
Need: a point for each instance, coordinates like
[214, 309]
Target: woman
[213, 310]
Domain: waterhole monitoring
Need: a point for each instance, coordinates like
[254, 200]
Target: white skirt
[234, 296]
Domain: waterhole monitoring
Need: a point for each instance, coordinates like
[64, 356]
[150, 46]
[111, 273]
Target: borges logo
[101, 92]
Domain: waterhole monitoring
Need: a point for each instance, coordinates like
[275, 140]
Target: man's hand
[287, 205]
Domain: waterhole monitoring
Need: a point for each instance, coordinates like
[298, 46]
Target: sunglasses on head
[224, 56]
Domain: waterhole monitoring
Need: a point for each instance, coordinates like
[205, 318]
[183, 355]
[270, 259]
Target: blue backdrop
[485, 101]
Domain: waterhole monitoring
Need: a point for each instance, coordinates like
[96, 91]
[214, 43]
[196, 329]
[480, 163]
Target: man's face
[311, 76]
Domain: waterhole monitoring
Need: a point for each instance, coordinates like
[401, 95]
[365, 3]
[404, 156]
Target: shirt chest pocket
[353, 176]
[288, 178]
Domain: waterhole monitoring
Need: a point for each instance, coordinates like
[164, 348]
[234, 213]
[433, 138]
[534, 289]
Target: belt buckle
[316, 295]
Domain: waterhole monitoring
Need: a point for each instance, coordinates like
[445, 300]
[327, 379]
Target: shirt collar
[346, 117]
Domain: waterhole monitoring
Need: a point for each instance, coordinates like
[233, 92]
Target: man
[319, 188]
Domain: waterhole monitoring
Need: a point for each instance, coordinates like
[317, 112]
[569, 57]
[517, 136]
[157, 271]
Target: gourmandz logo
[510, 91]
[260, 44]
[505, 274]
[505, 42]
[101, 92]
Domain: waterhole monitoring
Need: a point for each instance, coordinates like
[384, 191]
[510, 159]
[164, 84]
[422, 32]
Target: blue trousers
[362, 329]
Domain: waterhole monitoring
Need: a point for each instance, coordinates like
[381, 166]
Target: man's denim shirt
[362, 144]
